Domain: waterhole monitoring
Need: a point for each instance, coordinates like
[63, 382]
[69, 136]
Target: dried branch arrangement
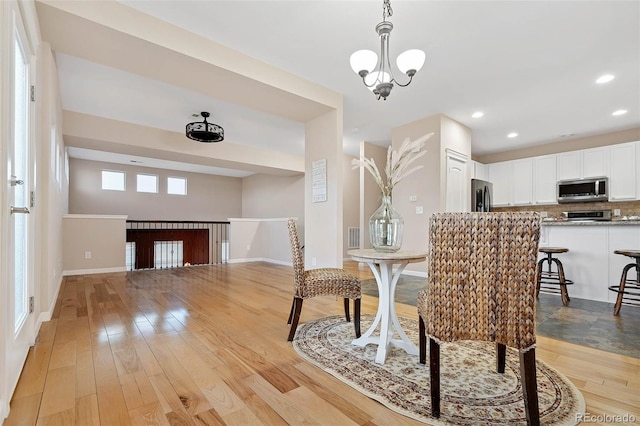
[398, 163]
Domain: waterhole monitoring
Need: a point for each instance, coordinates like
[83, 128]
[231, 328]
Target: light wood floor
[207, 345]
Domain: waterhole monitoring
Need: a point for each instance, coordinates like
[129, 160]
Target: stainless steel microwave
[583, 190]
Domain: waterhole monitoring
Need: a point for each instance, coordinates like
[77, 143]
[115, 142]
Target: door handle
[23, 210]
[14, 181]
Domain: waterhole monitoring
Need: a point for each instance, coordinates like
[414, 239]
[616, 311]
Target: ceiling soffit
[96, 133]
[121, 37]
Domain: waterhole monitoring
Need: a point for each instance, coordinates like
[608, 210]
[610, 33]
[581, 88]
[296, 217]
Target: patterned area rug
[472, 392]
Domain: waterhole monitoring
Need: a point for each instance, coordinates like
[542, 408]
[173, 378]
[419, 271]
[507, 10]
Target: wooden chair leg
[422, 340]
[623, 282]
[501, 356]
[293, 305]
[346, 309]
[356, 316]
[539, 275]
[563, 287]
[297, 301]
[529, 386]
[434, 377]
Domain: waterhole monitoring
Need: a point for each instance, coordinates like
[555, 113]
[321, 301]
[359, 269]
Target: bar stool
[548, 280]
[628, 289]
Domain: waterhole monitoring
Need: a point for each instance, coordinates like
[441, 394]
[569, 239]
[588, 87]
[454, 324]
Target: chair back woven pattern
[296, 256]
[481, 280]
[320, 281]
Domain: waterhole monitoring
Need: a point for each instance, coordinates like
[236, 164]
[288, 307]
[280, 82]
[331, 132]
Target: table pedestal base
[386, 316]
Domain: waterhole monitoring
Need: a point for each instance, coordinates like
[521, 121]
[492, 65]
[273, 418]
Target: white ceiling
[530, 66]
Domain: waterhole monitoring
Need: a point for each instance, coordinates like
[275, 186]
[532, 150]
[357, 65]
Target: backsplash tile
[627, 208]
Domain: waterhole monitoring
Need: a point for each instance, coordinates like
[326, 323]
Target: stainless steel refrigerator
[481, 195]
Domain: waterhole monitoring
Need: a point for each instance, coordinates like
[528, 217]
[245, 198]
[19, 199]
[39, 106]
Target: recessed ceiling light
[605, 78]
[477, 114]
[619, 112]
[512, 135]
[567, 135]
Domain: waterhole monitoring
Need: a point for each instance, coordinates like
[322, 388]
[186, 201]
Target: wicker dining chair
[481, 286]
[319, 282]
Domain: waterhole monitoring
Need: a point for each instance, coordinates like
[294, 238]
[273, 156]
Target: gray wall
[268, 196]
[208, 197]
[351, 203]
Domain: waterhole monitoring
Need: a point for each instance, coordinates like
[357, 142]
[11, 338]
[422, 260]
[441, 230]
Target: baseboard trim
[420, 274]
[260, 259]
[93, 271]
[4, 410]
[46, 315]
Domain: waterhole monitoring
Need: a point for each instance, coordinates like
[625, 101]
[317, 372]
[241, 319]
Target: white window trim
[148, 192]
[124, 182]
[177, 177]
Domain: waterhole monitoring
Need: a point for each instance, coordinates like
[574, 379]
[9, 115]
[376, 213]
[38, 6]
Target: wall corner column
[323, 234]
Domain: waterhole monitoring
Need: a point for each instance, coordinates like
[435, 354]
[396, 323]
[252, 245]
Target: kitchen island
[590, 262]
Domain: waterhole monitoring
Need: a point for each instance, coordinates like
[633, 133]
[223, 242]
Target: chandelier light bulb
[363, 60]
[411, 61]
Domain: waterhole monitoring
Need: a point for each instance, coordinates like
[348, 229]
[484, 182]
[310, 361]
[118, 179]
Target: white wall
[210, 198]
[259, 240]
[52, 192]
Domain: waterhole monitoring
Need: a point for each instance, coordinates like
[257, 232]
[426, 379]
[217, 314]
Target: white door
[456, 185]
[17, 249]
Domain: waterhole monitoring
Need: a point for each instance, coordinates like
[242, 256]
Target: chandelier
[377, 75]
[203, 131]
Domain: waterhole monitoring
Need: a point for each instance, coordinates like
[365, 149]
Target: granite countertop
[616, 222]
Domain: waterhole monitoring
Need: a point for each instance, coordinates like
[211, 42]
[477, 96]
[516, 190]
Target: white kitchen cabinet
[569, 165]
[544, 180]
[501, 175]
[587, 262]
[595, 162]
[623, 180]
[583, 163]
[480, 171]
[522, 186]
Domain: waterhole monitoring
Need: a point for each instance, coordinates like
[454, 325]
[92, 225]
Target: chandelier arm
[404, 85]
[364, 81]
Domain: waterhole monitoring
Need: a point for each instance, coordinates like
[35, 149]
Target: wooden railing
[156, 244]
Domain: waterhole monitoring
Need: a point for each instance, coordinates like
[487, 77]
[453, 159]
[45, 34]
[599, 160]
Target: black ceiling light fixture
[203, 131]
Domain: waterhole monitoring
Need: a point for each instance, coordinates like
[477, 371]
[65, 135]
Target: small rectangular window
[112, 180]
[147, 183]
[177, 186]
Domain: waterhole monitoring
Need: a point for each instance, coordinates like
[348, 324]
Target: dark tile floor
[582, 322]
